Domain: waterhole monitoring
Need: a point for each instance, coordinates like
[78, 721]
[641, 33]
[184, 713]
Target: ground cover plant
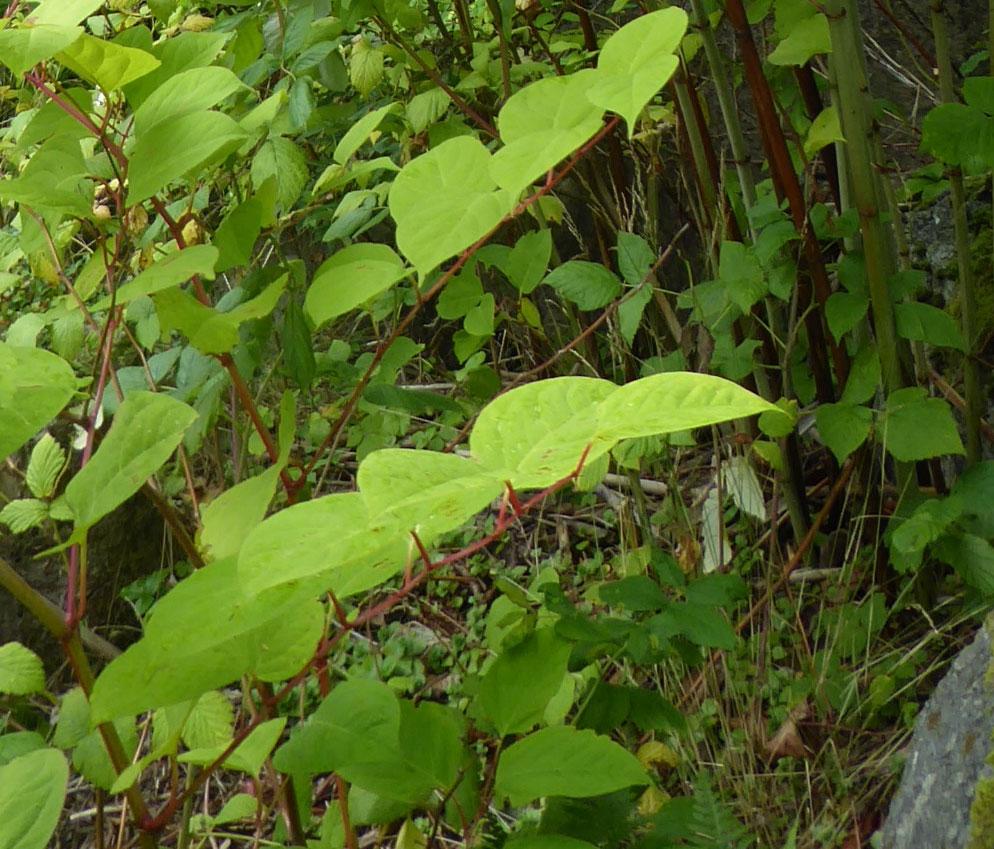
[553, 439]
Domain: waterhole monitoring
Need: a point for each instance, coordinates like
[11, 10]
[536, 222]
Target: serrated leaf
[21, 670]
[635, 258]
[146, 430]
[636, 61]
[924, 323]
[204, 634]
[47, 461]
[350, 278]
[180, 147]
[32, 792]
[106, 64]
[22, 514]
[365, 67]
[445, 200]
[210, 722]
[561, 761]
[250, 754]
[528, 260]
[282, 160]
[34, 386]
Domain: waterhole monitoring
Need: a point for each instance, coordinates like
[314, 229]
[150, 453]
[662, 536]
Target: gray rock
[952, 738]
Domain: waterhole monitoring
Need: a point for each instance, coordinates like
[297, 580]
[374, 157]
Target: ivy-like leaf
[636, 62]
[445, 200]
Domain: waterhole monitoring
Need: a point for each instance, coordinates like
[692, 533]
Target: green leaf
[959, 135]
[636, 62]
[635, 258]
[541, 125]
[18, 743]
[630, 312]
[519, 685]
[193, 90]
[65, 13]
[350, 278]
[54, 180]
[146, 430]
[24, 47]
[806, 38]
[32, 791]
[177, 148]
[324, 544]
[535, 434]
[740, 271]
[91, 760]
[365, 67]
[589, 285]
[236, 236]
[210, 331]
[972, 557]
[547, 841]
[210, 722]
[74, 719]
[843, 311]
[21, 670]
[843, 427]
[250, 754]
[561, 761]
[428, 492]
[824, 130]
[34, 386]
[674, 401]
[22, 514]
[445, 200]
[227, 520]
[702, 624]
[923, 323]
[204, 634]
[359, 133]
[106, 64]
[479, 321]
[298, 347]
[916, 427]
[284, 161]
[528, 260]
[172, 270]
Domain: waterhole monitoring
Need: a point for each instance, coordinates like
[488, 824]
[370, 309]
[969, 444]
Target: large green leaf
[34, 386]
[188, 91]
[561, 761]
[211, 331]
[204, 634]
[64, 13]
[350, 278]
[916, 427]
[146, 430]
[250, 754]
[281, 160]
[172, 270]
[535, 434]
[376, 742]
[636, 62]
[518, 687]
[674, 401]
[106, 64]
[177, 148]
[21, 48]
[445, 200]
[54, 181]
[32, 790]
[541, 125]
[325, 544]
[425, 491]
